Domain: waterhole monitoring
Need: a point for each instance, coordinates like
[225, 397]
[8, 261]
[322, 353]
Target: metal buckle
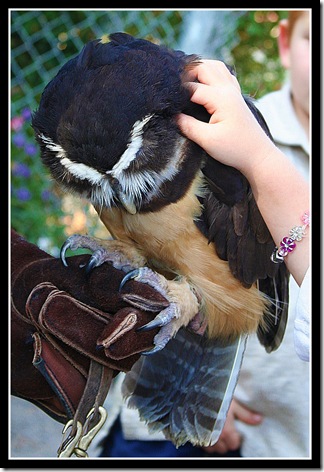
[68, 445]
[79, 443]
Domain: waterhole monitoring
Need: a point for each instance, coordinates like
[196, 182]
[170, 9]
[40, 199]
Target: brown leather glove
[62, 320]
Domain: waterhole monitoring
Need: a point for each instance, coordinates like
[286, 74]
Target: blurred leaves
[255, 57]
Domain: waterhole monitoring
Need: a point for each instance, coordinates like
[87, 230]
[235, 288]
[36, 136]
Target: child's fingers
[192, 128]
[211, 72]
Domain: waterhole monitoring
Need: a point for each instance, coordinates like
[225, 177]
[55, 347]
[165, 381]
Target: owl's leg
[182, 311]
[123, 256]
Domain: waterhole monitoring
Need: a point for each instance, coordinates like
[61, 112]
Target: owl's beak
[124, 199]
[127, 203]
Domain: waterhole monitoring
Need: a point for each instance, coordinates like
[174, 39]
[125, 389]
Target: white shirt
[290, 137]
[277, 384]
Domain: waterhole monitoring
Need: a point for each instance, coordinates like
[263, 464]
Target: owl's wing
[186, 388]
[232, 222]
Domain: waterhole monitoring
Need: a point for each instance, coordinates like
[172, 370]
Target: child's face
[299, 62]
[294, 55]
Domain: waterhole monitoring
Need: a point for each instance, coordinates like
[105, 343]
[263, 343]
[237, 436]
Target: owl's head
[106, 127]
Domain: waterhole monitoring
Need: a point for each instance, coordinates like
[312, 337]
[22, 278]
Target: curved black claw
[69, 245]
[151, 351]
[91, 265]
[156, 323]
[130, 275]
[64, 248]
[94, 261]
[162, 342]
[163, 319]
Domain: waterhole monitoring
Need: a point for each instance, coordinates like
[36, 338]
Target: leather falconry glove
[72, 332]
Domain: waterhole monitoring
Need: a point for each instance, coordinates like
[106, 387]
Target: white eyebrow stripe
[52, 146]
[82, 171]
[133, 147]
[175, 162]
[77, 169]
[136, 185]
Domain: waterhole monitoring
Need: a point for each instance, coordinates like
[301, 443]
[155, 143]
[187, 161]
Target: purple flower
[23, 194]
[19, 140]
[26, 113]
[30, 149]
[46, 195]
[21, 170]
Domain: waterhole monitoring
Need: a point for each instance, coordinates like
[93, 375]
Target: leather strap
[94, 394]
[66, 381]
[87, 420]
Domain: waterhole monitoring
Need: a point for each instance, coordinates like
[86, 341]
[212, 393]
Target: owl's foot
[122, 256]
[183, 304]
[183, 308]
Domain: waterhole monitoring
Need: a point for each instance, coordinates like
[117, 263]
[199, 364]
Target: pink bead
[306, 219]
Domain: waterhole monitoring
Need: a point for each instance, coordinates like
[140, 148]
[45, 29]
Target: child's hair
[293, 16]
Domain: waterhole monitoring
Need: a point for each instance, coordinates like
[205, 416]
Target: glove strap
[81, 392]
[90, 415]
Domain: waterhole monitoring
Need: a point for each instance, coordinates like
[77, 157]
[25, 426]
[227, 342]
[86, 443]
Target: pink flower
[306, 219]
[17, 123]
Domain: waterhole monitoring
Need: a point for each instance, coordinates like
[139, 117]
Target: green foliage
[34, 205]
[255, 57]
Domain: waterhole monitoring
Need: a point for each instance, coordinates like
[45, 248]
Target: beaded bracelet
[288, 243]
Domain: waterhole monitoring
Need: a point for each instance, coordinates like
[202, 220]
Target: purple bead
[282, 251]
[287, 245]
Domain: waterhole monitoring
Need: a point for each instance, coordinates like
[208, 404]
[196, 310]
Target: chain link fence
[42, 41]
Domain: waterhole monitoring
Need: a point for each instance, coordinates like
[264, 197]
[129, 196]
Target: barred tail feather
[186, 388]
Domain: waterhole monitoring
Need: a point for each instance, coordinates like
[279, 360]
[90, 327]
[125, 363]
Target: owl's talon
[162, 319]
[96, 260]
[156, 323]
[74, 242]
[130, 275]
[170, 319]
[151, 351]
[64, 248]
[121, 255]
[159, 343]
